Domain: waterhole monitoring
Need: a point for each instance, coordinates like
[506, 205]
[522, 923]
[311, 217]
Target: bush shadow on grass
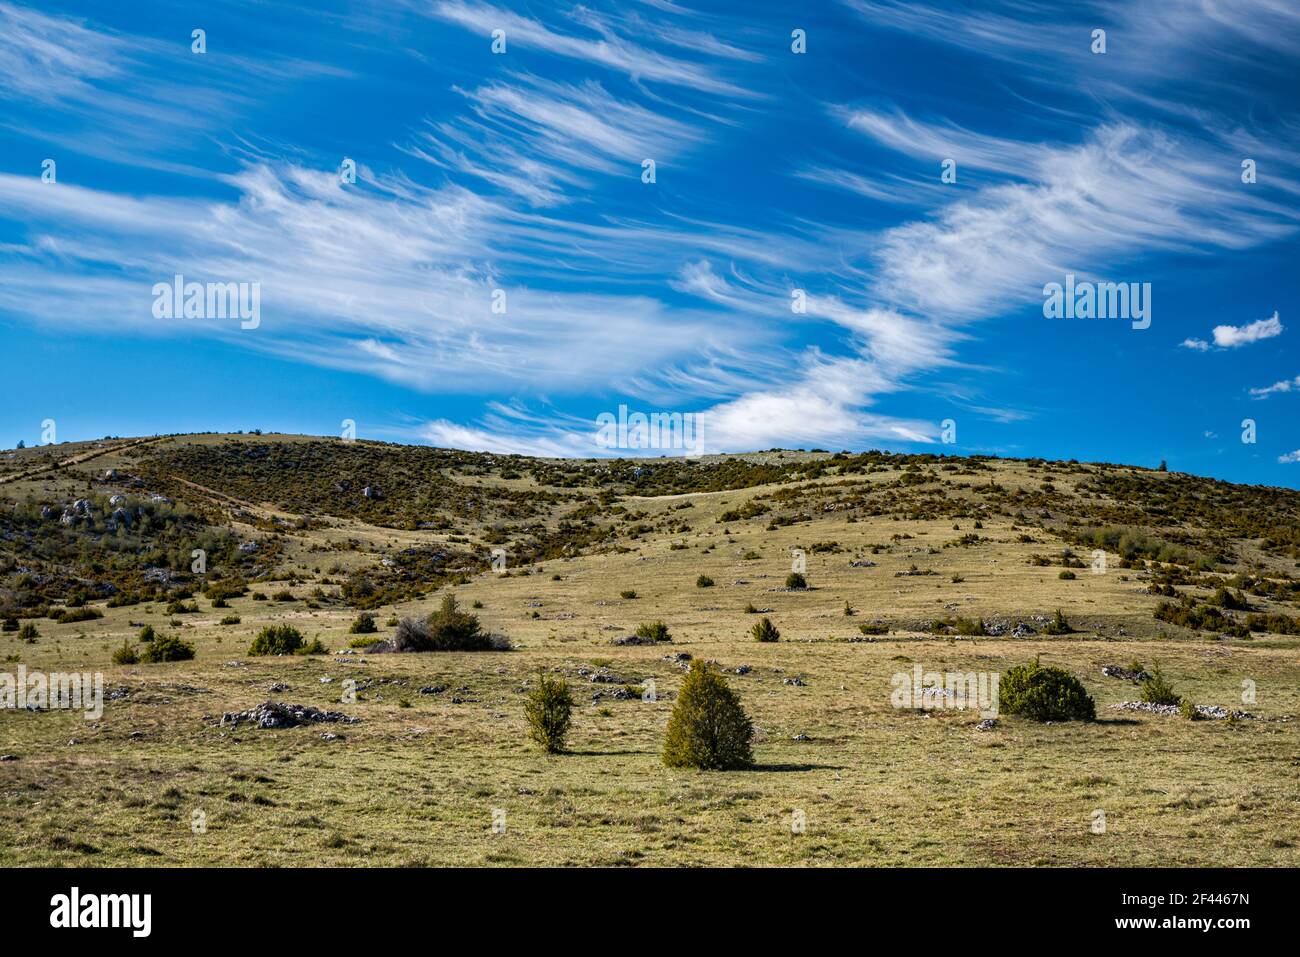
[778, 768]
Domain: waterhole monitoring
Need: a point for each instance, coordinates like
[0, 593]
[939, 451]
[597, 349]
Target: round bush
[708, 728]
[765, 631]
[276, 640]
[1044, 694]
[654, 630]
[166, 648]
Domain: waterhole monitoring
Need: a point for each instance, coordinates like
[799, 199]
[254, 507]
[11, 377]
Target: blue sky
[775, 171]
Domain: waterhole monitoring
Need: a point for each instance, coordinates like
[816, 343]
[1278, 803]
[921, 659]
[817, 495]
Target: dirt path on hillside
[78, 459]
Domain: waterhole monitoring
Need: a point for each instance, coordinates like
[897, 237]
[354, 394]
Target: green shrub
[283, 595]
[968, 627]
[1188, 710]
[704, 581]
[1226, 599]
[451, 629]
[548, 709]
[67, 616]
[10, 624]
[146, 634]
[167, 648]
[365, 641]
[655, 630]
[179, 607]
[708, 729]
[364, 624]
[276, 640]
[1066, 575]
[873, 628]
[230, 620]
[28, 633]
[765, 631]
[1044, 694]
[629, 594]
[1156, 690]
[796, 580]
[751, 609]
[1058, 625]
[314, 647]
[125, 655]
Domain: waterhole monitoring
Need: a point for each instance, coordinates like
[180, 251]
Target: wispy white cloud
[1285, 385]
[1233, 337]
[537, 138]
[1125, 190]
[607, 49]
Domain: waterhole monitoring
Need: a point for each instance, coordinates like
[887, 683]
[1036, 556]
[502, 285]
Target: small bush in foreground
[548, 709]
[704, 581]
[276, 640]
[1044, 694]
[765, 631]
[796, 580]
[708, 728]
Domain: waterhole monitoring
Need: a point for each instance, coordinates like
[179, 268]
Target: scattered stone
[8, 757]
[743, 669]
[1213, 711]
[862, 563]
[273, 714]
[602, 676]
[800, 737]
[278, 686]
[797, 682]
[330, 736]
[1115, 671]
[432, 689]
[988, 724]
[632, 640]
[1023, 630]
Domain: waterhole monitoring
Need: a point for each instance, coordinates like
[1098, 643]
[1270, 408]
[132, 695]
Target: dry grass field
[450, 777]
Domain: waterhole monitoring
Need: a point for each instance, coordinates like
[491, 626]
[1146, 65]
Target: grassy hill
[950, 563]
